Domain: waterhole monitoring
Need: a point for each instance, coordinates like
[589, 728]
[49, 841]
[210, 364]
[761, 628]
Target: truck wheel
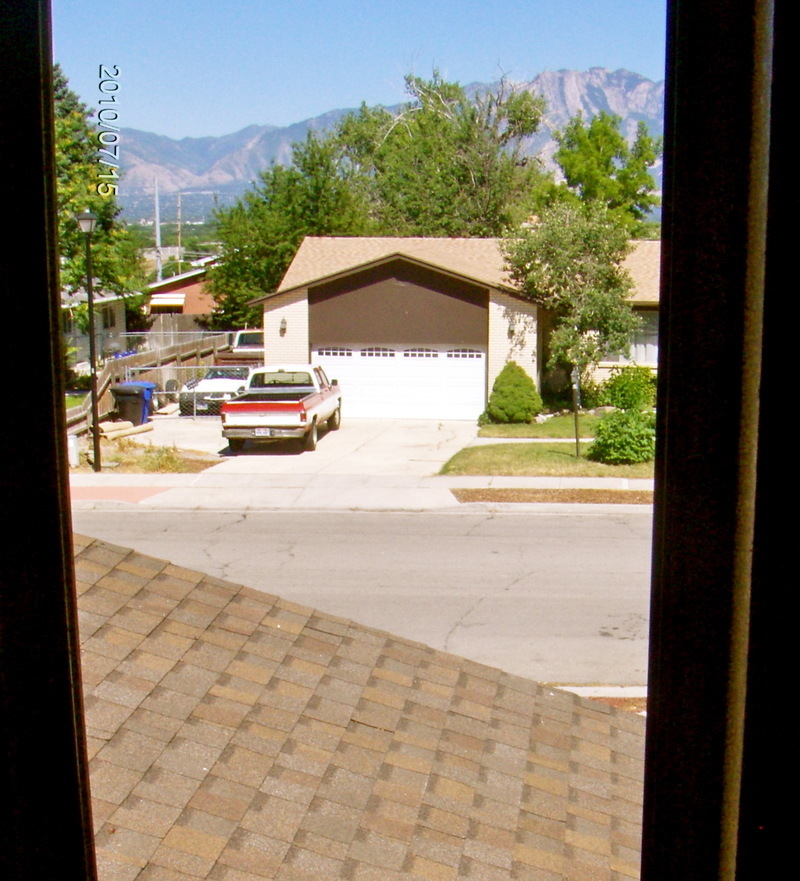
[310, 438]
[335, 420]
[236, 444]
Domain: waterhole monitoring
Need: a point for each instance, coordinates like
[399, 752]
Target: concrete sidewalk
[367, 465]
[223, 490]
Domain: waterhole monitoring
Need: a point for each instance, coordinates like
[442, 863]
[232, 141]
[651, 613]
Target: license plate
[264, 432]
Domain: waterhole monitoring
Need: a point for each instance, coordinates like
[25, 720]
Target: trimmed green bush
[514, 397]
[591, 394]
[624, 437]
[630, 388]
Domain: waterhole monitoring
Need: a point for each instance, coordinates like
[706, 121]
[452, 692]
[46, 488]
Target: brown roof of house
[237, 736]
[480, 259]
[644, 265]
[320, 257]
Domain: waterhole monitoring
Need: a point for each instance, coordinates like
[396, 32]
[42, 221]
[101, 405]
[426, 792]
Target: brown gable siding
[398, 303]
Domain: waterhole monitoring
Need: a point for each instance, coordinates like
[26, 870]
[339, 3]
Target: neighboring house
[184, 298]
[110, 328]
[644, 265]
[411, 327]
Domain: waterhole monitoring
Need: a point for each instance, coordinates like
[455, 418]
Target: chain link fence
[199, 390]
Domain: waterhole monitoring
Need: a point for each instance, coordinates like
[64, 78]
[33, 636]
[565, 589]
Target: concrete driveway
[361, 446]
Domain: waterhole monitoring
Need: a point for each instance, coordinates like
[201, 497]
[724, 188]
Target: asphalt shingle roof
[236, 736]
[320, 257]
[644, 265]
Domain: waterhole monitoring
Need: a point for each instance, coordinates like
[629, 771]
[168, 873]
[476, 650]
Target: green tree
[599, 166]
[445, 165]
[569, 262]
[260, 234]
[115, 258]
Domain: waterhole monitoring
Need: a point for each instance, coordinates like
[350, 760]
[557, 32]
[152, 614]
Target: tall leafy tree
[599, 166]
[115, 257]
[569, 261]
[316, 195]
[446, 165]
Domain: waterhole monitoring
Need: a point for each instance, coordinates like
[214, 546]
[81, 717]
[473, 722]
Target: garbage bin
[134, 401]
[149, 394]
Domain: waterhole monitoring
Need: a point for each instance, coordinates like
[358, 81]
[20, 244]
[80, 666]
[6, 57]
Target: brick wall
[513, 330]
[293, 345]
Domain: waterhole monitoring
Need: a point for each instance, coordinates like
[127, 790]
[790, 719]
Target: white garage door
[408, 383]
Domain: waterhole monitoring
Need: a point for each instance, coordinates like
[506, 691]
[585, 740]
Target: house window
[109, 317]
[335, 352]
[464, 353]
[377, 352]
[644, 345]
[420, 353]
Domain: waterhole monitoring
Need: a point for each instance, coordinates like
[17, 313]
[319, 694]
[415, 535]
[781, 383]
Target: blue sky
[207, 67]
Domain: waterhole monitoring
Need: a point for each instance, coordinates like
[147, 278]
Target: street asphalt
[368, 465]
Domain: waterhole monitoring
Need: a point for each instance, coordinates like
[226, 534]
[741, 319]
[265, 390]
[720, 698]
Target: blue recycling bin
[135, 401]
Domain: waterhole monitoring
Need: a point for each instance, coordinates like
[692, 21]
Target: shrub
[624, 437]
[514, 397]
[592, 394]
[630, 388]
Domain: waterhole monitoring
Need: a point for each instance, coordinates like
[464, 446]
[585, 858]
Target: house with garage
[410, 327]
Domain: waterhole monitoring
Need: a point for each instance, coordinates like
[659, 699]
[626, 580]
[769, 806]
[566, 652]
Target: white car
[203, 397]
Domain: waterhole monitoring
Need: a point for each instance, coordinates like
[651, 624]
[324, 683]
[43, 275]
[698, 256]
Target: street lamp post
[576, 402]
[87, 223]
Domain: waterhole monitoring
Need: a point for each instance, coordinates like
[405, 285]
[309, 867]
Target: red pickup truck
[282, 401]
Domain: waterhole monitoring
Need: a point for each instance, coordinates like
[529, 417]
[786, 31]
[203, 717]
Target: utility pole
[180, 262]
[159, 268]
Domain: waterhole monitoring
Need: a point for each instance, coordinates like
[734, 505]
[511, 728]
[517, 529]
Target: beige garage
[411, 327]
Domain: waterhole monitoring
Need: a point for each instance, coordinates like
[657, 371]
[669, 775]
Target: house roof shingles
[321, 257]
[236, 736]
[644, 265]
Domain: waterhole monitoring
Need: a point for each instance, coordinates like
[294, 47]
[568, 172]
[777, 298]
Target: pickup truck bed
[283, 401]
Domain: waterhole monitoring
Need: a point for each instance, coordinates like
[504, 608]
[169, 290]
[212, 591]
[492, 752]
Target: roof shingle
[321, 257]
[234, 735]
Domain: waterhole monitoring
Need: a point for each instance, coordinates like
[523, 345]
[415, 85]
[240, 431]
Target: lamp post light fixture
[87, 223]
[575, 376]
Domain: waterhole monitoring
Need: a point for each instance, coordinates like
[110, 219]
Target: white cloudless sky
[209, 67]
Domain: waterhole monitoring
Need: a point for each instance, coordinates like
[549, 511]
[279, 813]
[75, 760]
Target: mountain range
[217, 170]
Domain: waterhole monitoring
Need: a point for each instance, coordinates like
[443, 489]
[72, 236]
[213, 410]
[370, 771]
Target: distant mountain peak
[219, 169]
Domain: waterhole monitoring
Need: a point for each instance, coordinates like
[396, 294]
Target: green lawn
[556, 427]
[75, 398]
[537, 460]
